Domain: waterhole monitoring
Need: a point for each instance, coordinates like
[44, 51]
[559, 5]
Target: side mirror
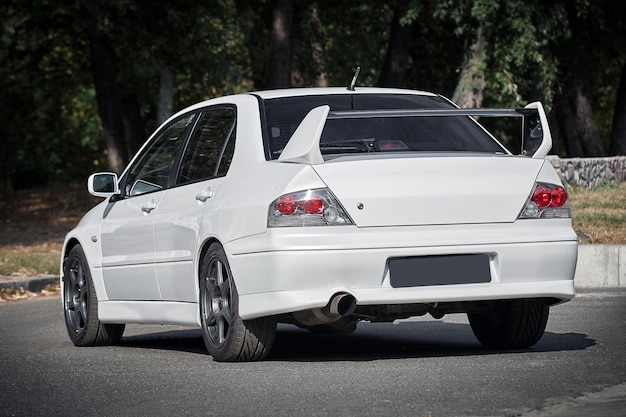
[103, 184]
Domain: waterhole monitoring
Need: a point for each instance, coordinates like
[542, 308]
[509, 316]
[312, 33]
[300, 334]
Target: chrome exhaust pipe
[340, 305]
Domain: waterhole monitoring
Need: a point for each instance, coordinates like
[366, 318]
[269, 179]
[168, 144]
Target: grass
[33, 223]
[32, 260]
[599, 215]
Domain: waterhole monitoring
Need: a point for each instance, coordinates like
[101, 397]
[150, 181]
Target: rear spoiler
[303, 147]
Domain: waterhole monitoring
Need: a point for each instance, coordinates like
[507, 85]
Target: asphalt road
[420, 367]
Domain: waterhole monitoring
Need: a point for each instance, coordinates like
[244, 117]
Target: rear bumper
[296, 270]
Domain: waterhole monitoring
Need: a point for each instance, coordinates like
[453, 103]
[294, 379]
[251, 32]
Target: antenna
[356, 75]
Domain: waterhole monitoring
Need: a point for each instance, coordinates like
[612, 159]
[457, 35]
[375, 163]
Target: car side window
[152, 170]
[211, 147]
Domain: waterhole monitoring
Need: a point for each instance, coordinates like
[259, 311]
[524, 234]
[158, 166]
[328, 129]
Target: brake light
[546, 201]
[542, 197]
[559, 197]
[315, 205]
[286, 205]
[307, 208]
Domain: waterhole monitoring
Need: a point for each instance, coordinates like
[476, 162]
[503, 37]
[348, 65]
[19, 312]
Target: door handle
[204, 195]
[149, 206]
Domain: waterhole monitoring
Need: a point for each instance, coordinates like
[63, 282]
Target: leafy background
[82, 83]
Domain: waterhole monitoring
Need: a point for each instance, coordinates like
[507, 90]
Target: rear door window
[211, 147]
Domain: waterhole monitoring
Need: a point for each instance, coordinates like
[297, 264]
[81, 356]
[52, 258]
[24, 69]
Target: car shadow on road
[405, 340]
[189, 340]
[371, 341]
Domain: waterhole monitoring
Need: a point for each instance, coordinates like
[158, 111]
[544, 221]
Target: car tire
[80, 305]
[510, 324]
[227, 337]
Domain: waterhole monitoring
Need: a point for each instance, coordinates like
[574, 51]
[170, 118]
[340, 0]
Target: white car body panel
[177, 224]
[128, 249]
[356, 263]
[290, 92]
[413, 205]
[432, 189]
[87, 233]
[147, 312]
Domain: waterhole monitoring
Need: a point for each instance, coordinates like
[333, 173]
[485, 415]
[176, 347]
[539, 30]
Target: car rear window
[375, 134]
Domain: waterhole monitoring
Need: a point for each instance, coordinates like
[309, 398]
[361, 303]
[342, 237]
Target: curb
[34, 284]
[598, 266]
[601, 266]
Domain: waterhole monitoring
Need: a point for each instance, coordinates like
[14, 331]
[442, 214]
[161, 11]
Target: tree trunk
[580, 132]
[165, 105]
[394, 69]
[103, 61]
[586, 125]
[308, 66]
[134, 127]
[471, 86]
[567, 124]
[318, 48]
[280, 44]
[246, 17]
[618, 137]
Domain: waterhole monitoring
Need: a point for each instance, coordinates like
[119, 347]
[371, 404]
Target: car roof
[316, 91]
[299, 92]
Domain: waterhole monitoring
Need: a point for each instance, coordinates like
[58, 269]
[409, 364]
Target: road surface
[417, 367]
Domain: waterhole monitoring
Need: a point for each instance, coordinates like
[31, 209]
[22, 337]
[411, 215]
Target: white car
[322, 208]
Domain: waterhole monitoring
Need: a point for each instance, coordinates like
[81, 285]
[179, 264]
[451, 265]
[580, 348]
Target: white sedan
[322, 208]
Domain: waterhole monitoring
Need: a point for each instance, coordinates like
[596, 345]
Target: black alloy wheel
[227, 337]
[81, 305]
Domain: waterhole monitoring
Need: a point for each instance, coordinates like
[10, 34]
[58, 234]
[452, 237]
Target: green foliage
[596, 52]
[28, 262]
[608, 185]
[356, 34]
[46, 118]
[49, 123]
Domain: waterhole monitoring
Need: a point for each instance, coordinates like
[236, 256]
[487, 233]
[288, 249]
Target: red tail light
[559, 197]
[549, 197]
[546, 201]
[542, 197]
[307, 208]
[313, 204]
[286, 205]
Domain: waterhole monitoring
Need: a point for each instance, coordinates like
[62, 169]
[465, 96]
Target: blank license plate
[439, 270]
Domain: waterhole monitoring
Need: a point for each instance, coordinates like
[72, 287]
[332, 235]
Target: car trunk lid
[431, 189]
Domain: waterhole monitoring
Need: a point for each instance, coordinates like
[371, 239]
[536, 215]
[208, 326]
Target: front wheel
[227, 337]
[510, 324]
[80, 305]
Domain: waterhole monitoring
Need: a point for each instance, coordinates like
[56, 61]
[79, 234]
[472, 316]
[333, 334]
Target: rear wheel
[81, 305]
[510, 324]
[227, 337]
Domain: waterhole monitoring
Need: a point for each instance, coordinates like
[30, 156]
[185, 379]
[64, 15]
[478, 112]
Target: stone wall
[589, 172]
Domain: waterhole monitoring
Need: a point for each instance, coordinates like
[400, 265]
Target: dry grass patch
[33, 224]
[600, 214]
